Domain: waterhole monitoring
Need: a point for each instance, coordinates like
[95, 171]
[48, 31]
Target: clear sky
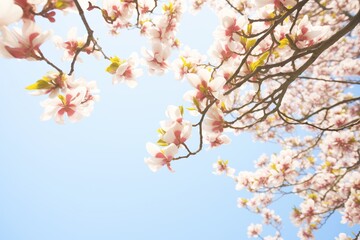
[88, 181]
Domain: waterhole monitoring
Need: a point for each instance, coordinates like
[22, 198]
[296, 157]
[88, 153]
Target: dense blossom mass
[286, 71]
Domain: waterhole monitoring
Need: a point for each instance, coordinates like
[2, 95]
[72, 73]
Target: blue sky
[88, 180]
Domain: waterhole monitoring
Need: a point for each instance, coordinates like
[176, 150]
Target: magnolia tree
[284, 70]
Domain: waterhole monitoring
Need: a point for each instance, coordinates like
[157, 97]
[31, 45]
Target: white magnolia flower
[9, 12]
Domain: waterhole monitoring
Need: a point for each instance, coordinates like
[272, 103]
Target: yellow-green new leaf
[196, 103]
[162, 143]
[40, 84]
[161, 131]
[181, 110]
[250, 43]
[283, 43]
[62, 98]
[249, 28]
[115, 63]
[259, 62]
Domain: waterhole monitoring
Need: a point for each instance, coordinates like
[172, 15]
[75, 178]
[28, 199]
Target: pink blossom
[222, 52]
[214, 121]
[231, 25]
[52, 83]
[178, 133]
[351, 212]
[22, 44]
[305, 234]
[277, 3]
[196, 5]
[216, 139]
[221, 166]
[71, 103]
[254, 230]
[175, 115]
[244, 180]
[146, 5]
[77, 101]
[160, 157]
[9, 12]
[29, 7]
[174, 130]
[343, 236]
[121, 10]
[276, 237]
[206, 87]
[269, 216]
[308, 35]
[127, 72]
[187, 62]
[157, 58]
[73, 43]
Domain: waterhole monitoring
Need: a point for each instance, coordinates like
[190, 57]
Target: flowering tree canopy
[286, 71]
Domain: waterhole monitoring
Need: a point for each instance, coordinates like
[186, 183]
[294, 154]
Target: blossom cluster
[282, 70]
[161, 31]
[255, 81]
[75, 97]
[173, 134]
[67, 96]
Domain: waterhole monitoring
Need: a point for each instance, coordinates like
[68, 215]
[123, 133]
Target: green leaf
[40, 84]
[196, 103]
[62, 4]
[243, 40]
[62, 98]
[250, 43]
[162, 143]
[283, 43]
[115, 63]
[181, 110]
[259, 62]
[249, 28]
[161, 131]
